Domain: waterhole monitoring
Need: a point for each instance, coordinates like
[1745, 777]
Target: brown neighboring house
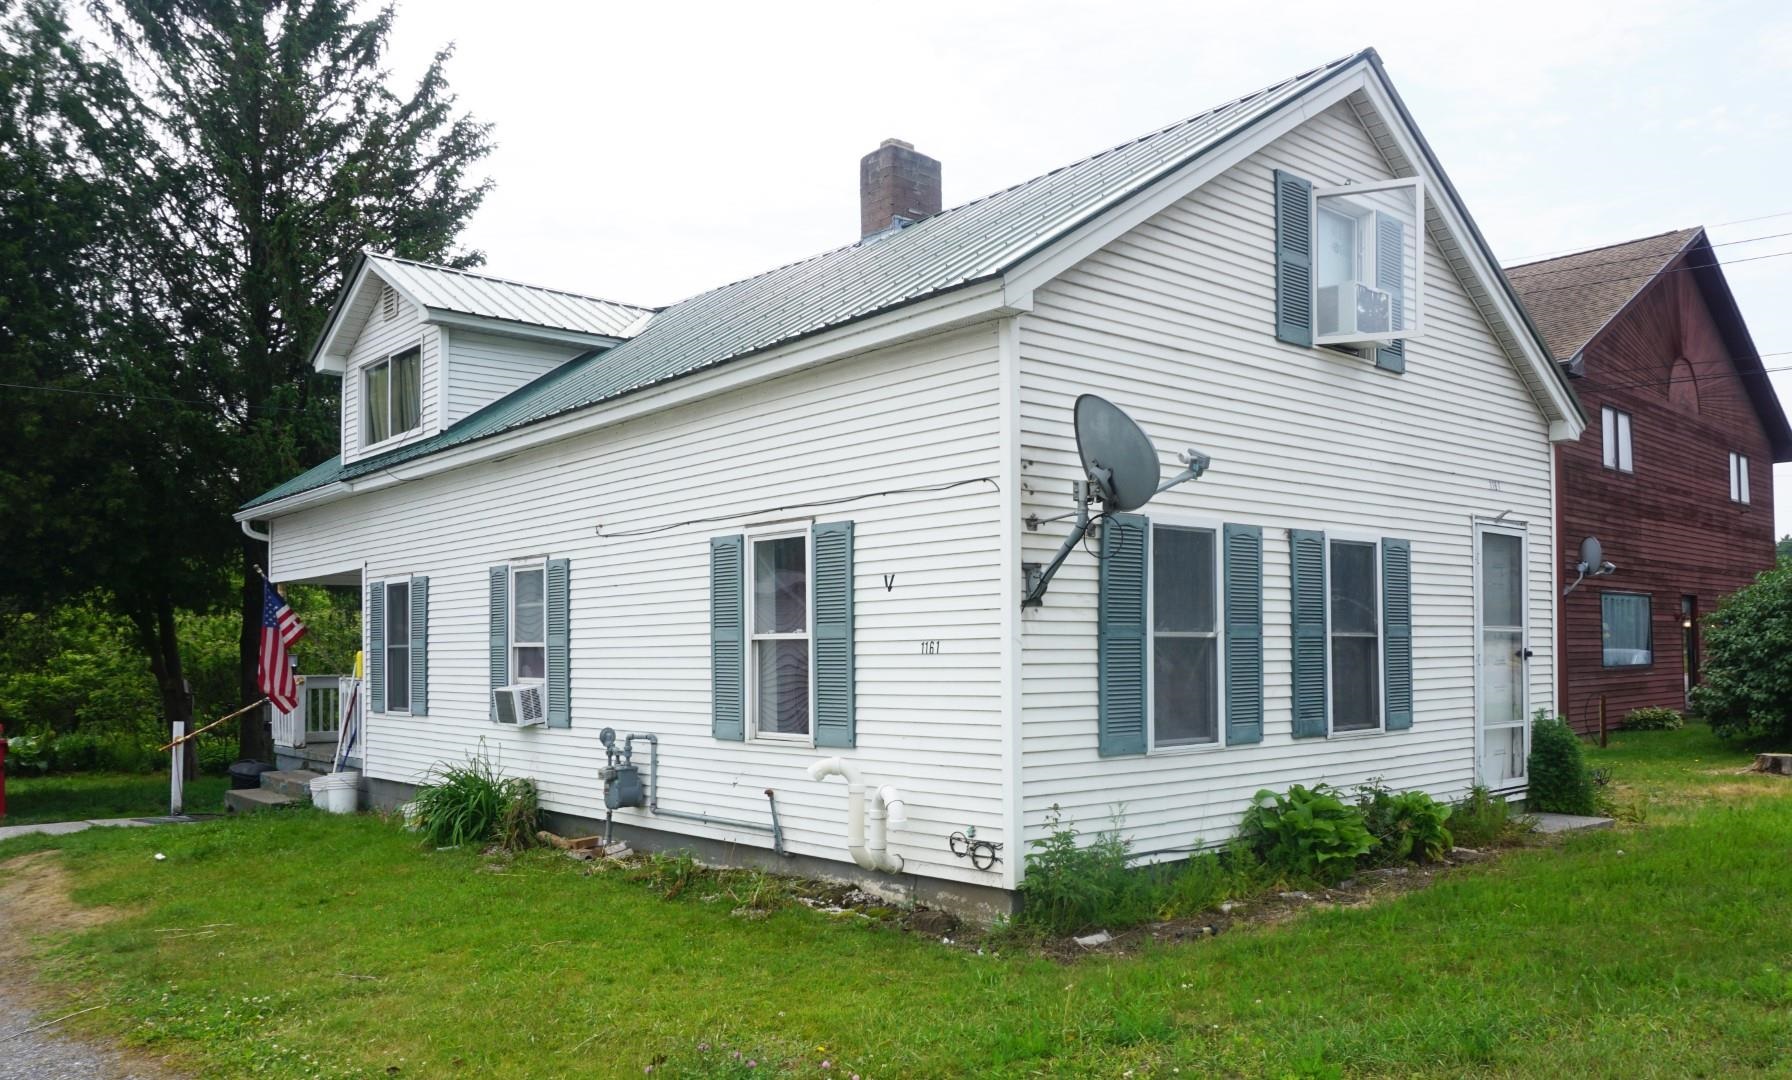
[1675, 472]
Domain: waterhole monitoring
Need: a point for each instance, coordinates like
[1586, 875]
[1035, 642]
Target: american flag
[279, 628]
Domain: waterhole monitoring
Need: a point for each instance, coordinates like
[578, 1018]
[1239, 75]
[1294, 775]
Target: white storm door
[1501, 656]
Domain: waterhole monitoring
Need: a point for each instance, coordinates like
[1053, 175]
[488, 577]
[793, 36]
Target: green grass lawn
[77, 796]
[304, 945]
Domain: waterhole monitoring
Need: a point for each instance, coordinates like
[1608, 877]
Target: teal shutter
[376, 645]
[1294, 259]
[727, 638]
[1390, 236]
[1307, 559]
[834, 719]
[1396, 615]
[498, 609]
[559, 626]
[1243, 572]
[419, 646]
[1120, 635]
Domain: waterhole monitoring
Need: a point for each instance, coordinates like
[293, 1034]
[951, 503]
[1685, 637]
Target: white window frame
[1618, 443]
[1368, 253]
[387, 608]
[754, 734]
[1379, 662]
[1648, 623]
[526, 566]
[367, 370]
[1174, 521]
[1739, 478]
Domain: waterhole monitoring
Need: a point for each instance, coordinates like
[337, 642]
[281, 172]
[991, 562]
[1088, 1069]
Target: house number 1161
[930, 648]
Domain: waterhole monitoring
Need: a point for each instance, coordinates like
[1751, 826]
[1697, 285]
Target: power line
[1654, 257]
[1528, 293]
[1526, 260]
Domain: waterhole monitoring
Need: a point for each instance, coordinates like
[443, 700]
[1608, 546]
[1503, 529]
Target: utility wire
[1654, 257]
[1526, 260]
[1523, 293]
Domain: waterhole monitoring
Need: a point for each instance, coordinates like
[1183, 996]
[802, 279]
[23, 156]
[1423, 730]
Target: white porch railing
[318, 717]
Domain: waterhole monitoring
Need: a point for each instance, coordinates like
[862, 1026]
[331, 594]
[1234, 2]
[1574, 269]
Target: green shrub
[1308, 831]
[1560, 781]
[1481, 819]
[1070, 887]
[472, 804]
[1747, 687]
[216, 754]
[1405, 825]
[1653, 718]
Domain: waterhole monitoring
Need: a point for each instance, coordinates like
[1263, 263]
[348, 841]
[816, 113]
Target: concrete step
[249, 800]
[293, 782]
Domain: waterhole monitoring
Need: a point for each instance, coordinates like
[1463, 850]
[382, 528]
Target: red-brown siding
[1669, 526]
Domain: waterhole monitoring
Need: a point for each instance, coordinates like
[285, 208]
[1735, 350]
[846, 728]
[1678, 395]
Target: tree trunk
[255, 741]
[160, 641]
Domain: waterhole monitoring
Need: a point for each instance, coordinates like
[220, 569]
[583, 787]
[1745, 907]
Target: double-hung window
[1185, 646]
[528, 623]
[1354, 636]
[398, 645]
[1739, 478]
[779, 631]
[1624, 629]
[1615, 424]
[392, 396]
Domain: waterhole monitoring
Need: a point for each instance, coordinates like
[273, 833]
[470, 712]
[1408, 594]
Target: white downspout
[249, 531]
[855, 806]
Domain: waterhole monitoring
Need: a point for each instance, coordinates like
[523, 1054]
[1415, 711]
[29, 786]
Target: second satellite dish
[1117, 455]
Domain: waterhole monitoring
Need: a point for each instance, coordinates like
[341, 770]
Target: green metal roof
[952, 249]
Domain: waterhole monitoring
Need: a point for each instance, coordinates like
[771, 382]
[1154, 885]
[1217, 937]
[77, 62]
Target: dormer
[421, 347]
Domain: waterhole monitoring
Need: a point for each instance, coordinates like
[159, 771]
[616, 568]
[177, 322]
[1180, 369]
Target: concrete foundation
[976, 903]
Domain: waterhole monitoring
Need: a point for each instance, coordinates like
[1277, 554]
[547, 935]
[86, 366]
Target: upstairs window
[1616, 426]
[1350, 266]
[1739, 479]
[392, 396]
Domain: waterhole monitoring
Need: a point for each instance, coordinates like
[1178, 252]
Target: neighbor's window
[392, 396]
[1184, 637]
[528, 624]
[398, 646]
[1738, 478]
[1616, 426]
[780, 635]
[1624, 629]
[1355, 636]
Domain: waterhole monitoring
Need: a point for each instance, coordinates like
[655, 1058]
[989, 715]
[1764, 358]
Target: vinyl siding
[380, 338]
[907, 416]
[484, 367]
[1174, 322]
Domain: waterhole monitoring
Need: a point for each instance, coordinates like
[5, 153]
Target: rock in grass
[1100, 937]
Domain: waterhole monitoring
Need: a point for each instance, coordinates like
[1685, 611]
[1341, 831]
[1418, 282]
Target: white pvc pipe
[855, 806]
[881, 805]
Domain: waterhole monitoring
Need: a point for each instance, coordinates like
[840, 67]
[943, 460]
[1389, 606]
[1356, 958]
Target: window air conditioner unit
[519, 706]
[1350, 307]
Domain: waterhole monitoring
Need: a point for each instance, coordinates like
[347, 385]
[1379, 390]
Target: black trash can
[247, 774]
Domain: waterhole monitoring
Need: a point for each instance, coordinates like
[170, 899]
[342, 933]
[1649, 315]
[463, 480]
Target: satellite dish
[1117, 455]
[1591, 554]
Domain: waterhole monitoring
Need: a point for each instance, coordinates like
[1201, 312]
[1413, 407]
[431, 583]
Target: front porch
[306, 743]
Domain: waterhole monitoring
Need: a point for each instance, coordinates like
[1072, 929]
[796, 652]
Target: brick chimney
[897, 186]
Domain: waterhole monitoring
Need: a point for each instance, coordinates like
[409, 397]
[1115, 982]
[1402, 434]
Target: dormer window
[392, 396]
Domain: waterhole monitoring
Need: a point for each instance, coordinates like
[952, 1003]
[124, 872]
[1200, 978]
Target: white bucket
[336, 792]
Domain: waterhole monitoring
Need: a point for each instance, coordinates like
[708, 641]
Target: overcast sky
[648, 151]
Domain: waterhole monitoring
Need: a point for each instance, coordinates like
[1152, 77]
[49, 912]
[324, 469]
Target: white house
[786, 520]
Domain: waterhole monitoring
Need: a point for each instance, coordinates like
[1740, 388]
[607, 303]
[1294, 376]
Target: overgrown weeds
[1405, 825]
[1482, 819]
[473, 804]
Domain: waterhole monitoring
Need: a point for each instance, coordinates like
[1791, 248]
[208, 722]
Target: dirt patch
[34, 895]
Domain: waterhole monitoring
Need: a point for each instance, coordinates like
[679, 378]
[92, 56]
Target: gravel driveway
[45, 1055]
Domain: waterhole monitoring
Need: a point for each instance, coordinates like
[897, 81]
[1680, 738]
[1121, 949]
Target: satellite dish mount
[1122, 474]
[1592, 563]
